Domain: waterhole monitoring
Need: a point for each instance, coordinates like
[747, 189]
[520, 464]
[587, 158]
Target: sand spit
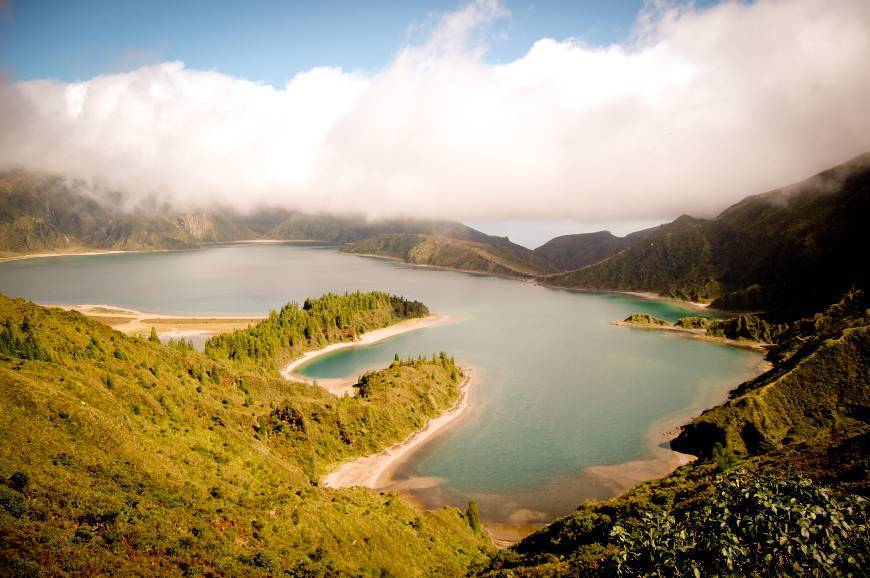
[376, 471]
[135, 322]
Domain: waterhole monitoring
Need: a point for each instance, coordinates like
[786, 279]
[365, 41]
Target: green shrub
[763, 525]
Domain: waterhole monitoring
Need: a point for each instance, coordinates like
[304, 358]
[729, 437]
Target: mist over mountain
[699, 107]
[48, 213]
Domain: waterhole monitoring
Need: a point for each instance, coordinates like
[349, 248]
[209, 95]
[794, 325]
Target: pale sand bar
[134, 322]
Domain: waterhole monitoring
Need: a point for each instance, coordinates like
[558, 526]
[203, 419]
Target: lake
[557, 388]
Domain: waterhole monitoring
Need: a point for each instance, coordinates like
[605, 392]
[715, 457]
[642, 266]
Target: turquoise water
[557, 388]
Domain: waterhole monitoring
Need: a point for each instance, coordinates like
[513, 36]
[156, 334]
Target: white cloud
[700, 108]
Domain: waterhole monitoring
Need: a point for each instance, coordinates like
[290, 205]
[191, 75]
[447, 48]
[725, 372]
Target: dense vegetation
[287, 333]
[570, 252]
[780, 487]
[129, 457]
[788, 252]
[498, 257]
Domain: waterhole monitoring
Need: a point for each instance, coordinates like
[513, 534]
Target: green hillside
[497, 257]
[788, 252]
[570, 252]
[124, 456]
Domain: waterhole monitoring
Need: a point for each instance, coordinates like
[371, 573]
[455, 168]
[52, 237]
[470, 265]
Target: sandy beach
[376, 471]
[657, 297]
[70, 253]
[135, 322]
[344, 385]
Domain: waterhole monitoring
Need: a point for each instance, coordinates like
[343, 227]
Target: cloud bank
[698, 109]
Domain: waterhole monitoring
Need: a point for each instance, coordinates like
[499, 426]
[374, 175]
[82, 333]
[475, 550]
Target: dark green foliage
[809, 333]
[751, 525]
[473, 517]
[19, 340]
[328, 319]
[749, 327]
[724, 458]
[693, 322]
[788, 252]
[675, 260]
[19, 481]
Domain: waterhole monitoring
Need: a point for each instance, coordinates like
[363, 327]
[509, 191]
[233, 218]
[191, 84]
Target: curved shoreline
[376, 471]
[663, 459]
[344, 385]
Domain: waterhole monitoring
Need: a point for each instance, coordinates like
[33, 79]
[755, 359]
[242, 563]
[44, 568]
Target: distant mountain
[495, 255]
[339, 229]
[48, 213]
[789, 251]
[570, 252]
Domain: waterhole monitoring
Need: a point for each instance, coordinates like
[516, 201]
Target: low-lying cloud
[698, 109]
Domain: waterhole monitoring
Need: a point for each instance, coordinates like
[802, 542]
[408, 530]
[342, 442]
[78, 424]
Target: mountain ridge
[788, 252]
[570, 252]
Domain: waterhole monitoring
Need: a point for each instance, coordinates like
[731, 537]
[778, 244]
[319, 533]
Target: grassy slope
[144, 458]
[498, 257]
[793, 249]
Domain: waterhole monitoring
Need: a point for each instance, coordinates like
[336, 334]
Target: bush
[19, 481]
[764, 525]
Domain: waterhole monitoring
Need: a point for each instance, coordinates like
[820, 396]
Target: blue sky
[268, 41]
